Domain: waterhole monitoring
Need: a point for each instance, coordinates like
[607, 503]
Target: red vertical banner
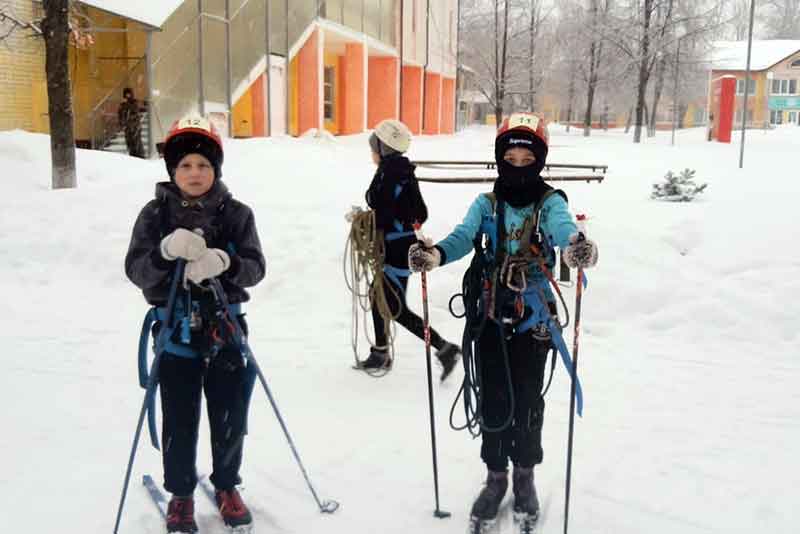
[723, 105]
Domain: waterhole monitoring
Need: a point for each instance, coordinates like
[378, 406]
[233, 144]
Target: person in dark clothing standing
[512, 324]
[129, 118]
[195, 217]
[395, 197]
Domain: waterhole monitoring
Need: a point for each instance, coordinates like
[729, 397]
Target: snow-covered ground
[689, 358]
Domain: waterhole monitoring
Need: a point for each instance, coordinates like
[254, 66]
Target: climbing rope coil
[364, 255]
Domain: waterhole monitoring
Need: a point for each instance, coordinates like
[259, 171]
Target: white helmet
[393, 134]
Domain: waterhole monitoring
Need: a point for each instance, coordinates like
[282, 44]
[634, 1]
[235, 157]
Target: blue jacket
[556, 225]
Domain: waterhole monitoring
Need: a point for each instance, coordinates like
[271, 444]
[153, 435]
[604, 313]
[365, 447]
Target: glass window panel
[792, 87]
[333, 10]
[248, 40]
[175, 68]
[372, 18]
[215, 71]
[353, 14]
[388, 27]
[301, 13]
[214, 7]
[776, 87]
[277, 27]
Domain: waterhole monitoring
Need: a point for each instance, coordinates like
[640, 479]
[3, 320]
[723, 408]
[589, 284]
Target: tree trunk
[629, 121]
[571, 95]
[55, 29]
[644, 72]
[657, 90]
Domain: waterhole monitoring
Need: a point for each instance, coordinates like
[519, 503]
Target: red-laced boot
[180, 515]
[233, 511]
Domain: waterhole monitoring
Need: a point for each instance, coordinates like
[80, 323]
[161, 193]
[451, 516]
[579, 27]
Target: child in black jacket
[395, 197]
[194, 217]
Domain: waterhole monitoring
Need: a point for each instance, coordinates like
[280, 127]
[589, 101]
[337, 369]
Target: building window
[784, 87]
[796, 64]
[328, 93]
[738, 118]
[775, 117]
[740, 87]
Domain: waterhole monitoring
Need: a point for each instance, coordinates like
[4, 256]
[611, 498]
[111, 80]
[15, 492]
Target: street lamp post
[747, 81]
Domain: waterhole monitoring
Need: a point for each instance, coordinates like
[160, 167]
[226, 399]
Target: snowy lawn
[689, 354]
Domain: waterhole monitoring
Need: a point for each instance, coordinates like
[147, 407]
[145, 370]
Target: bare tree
[598, 12]
[55, 29]
[664, 16]
[781, 19]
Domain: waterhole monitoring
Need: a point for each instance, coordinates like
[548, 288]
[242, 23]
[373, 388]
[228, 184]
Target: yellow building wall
[293, 97]
[243, 115]
[22, 74]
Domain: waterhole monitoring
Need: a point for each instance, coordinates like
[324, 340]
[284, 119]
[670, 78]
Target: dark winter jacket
[128, 116]
[227, 224]
[395, 197]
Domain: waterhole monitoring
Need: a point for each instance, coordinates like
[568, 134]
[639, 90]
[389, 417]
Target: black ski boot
[484, 510]
[377, 360]
[448, 357]
[526, 504]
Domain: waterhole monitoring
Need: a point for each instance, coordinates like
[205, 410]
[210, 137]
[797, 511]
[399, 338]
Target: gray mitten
[422, 258]
[581, 253]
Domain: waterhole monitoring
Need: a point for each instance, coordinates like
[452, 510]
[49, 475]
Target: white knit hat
[393, 134]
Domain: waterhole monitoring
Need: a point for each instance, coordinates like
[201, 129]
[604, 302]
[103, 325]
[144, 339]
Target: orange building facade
[345, 78]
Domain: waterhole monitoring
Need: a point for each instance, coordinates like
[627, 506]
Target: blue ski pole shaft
[151, 388]
[328, 506]
[136, 436]
[575, 340]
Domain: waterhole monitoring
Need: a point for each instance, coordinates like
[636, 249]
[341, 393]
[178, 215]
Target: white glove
[182, 244]
[422, 258]
[581, 253]
[212, 263]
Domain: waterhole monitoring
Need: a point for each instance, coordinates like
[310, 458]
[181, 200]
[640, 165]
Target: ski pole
[441, 514]
[152, 383]
[328, 506]
[574, 376]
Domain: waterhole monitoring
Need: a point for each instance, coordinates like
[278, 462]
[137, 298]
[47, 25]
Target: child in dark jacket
[395, 197]
[195, 218]
[515, 326]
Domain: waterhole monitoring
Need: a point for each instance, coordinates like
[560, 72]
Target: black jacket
[227, 224]
[394, 195]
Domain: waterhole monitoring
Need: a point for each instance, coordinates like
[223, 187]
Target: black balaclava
[192, 143]
[519, 186]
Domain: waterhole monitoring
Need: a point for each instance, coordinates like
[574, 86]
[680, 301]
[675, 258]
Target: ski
[208, 491]
[155, 493]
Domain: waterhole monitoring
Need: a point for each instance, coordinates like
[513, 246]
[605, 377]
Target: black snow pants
[226, 383]
[408, 319]
[521, 441]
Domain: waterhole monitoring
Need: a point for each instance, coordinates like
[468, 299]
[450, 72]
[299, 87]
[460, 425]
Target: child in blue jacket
[514, 231]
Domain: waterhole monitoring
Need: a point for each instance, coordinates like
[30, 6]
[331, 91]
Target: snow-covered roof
[149, 12]
[732, 55]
